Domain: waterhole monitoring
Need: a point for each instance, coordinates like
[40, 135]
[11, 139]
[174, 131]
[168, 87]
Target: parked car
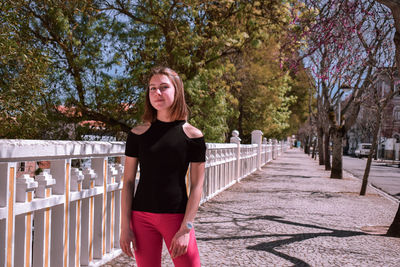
[363, 150]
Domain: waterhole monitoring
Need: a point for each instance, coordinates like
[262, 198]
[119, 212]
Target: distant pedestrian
[164, 146]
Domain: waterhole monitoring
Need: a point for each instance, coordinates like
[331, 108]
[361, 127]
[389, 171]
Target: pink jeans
[150, 229]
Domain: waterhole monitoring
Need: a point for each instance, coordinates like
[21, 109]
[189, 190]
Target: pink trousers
[150, 229]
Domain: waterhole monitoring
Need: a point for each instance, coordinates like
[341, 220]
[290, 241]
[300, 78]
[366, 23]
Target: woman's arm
[196, 189]
[180, 241]
[127, 237]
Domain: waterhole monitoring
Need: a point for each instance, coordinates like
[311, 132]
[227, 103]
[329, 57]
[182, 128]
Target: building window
[397, 89]
[396, 113]
[22, 166]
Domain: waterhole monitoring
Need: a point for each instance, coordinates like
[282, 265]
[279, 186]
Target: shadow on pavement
[292, 238]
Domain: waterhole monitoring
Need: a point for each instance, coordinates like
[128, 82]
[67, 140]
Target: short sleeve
[197, 150]
[132, 145]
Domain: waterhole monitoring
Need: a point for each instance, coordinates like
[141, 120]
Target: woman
[164, 146]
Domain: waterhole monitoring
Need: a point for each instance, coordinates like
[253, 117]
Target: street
[382, 176]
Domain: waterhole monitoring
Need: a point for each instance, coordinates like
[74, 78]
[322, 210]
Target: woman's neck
[164, 116]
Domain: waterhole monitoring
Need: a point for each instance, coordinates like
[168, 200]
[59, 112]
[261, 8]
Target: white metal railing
[220, 170]
[248, 159]
[266, 153]
[67, 216]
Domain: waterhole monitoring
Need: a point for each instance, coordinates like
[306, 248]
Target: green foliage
[38, 171]
[23, 67]
[263, 93]
[68, 62]
[301, 90]
[208, 95]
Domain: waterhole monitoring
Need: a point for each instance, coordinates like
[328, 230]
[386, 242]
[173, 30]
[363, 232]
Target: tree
[374, 31]
[302, 88]
[394, 5]
[100, 51]
[345, 47]
[378, 98]
[23, 67]
[197, 39]
[262, 91]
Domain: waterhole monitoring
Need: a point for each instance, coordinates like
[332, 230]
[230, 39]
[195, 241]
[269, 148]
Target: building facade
[389, 132]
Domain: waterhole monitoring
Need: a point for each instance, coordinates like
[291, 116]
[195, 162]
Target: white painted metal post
[75, 219]
[117, 223]
[112, 172]
[99, 165]
[256, 138]
[87, 217]
[23, 223]
[3, 206]
[61, 171]
[235, 139]
[7, 200]
[265, 150]
[42, 237]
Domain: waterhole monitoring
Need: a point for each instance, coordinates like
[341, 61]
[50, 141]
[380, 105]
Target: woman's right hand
[126, 239]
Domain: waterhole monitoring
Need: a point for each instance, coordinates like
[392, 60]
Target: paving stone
[291, 213]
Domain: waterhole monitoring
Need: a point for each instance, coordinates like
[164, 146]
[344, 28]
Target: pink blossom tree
[346, 42]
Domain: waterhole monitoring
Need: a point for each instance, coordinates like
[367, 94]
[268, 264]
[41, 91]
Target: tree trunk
[321, 146]
[306, 145]
[314, 156]
[337, 155]
[371, 153]
[394, 229]
[327, 153]
[240, 119]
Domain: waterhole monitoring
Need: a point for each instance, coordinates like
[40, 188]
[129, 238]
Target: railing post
[23, 223]
[75, 219]
[256, 137]
[265, 150]
[235, 139]
[61, 171]
[117, 212]
[42, 237]
[7, 199]
[112, 174]
[274, 149]
[100, 201]
[87, 217]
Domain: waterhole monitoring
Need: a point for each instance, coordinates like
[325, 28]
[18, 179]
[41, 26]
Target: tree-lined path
[291, 213]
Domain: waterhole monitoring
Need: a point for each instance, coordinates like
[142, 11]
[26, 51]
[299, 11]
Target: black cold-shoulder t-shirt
[164, 152]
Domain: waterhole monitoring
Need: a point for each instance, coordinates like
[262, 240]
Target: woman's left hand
[179, 244]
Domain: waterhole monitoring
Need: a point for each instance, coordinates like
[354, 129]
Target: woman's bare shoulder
[191, 131]
[141, 129]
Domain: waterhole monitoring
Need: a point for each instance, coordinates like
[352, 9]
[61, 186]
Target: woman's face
[161, 92]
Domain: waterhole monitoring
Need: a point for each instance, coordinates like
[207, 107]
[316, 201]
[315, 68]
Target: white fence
[71, 217]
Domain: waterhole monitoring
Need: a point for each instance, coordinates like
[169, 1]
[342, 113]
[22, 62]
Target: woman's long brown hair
[179, 109]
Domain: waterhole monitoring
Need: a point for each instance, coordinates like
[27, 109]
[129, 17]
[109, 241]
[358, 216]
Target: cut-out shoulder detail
[141, 129]
[191, 131]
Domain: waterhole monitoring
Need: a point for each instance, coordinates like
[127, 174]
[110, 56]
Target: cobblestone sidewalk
[291, 214]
